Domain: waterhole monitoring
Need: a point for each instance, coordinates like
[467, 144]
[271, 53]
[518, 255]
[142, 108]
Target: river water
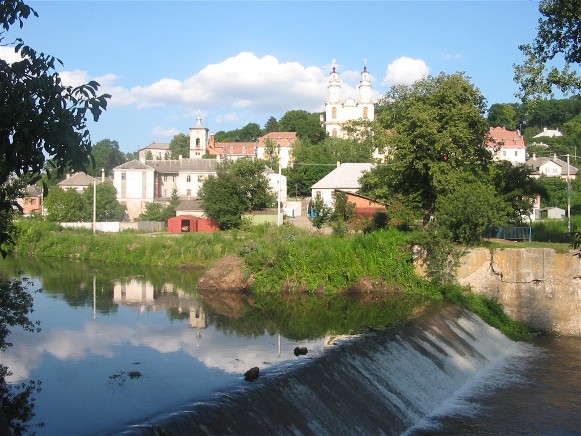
[130, 350]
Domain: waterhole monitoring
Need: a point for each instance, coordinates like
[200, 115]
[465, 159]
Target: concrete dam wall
[537, 286]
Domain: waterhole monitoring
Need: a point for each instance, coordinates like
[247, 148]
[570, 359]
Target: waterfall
[384, 382]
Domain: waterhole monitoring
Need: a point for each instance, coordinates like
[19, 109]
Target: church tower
[198, 140]
[339, 111]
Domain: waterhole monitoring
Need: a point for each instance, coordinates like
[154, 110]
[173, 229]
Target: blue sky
[239, 62]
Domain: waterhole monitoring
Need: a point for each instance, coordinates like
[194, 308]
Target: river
[131, 350]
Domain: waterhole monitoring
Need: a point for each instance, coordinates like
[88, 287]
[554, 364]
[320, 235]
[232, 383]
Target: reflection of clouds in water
[213, 348]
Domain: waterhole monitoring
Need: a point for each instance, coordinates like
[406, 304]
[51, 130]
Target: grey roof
[78, 179]
[157, 145]
[33, 191]
[537, 162]
[190, 204]
[178, 165]
[133, 165]
[346, 176]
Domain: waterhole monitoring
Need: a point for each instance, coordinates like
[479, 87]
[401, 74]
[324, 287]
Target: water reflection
[101, 325]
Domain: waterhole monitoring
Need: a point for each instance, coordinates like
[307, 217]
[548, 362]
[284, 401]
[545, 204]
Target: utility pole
[568, 195]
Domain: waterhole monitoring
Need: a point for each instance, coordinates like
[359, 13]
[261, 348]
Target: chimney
[68, 175]
[102, 175]
[338, 164]
[555, 156]
[180, 157]
[534, 155]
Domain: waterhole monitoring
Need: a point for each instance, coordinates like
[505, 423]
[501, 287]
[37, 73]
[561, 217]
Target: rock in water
[251, 374]
[301, 351]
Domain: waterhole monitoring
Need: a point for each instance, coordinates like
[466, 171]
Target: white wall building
[345, 178]
[507, 145]
[339, 111]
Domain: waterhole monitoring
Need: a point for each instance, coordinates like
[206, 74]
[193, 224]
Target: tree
[306, 125]
[558, 41]
[107, 207]
[148, 155]
[155, 211]
[271, 153]
[271, 125]
[505, 115]
[438, 132]
[66, 205]
[180, 146]
[106, 155]
[41, 121]
[515, 186]
[238, 186]
[320, 213]
[469, 210]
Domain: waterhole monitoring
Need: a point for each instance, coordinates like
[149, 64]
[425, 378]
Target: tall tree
[106, 155]
[179, 146]
[306, 125]
[107, 207]
[271, 125]
[438, 132]
[41, 120]
[558, 41]
[238, 186]
[505, 114]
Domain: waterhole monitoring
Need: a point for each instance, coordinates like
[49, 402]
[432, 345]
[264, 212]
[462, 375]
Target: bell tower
[198, 140]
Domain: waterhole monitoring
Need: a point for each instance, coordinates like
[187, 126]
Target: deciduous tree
[106, 155]
[438, 130]
[558, 41]
[180, 146]
[238, 186]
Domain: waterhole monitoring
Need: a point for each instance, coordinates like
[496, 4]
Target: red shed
[189, 223]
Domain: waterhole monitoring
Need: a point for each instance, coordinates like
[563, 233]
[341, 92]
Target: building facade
[339, 110]
[506, 145]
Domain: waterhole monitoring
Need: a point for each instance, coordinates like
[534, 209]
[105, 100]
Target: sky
[166, 63]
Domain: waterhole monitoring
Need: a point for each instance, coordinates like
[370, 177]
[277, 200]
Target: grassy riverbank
[278, 258]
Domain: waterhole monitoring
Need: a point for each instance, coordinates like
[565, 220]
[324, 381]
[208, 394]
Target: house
[548, 133]
[141, 182]
[281, 144]
[506, 145]
[278, 143]
[551, 167]
[550, 212]
[189, 224]
[231, 150]
[31, 201]
[154, 151]
[344, 178]
[364, 206]
[78, 181]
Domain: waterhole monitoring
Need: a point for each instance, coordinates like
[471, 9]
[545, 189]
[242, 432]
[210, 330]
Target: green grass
[282, 258]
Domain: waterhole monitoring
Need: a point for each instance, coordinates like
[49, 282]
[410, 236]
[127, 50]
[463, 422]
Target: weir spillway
[381, 382]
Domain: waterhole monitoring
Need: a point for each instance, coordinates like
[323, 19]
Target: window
[165, 178]
[188, 191]
[33, 201]
[334, 133]
[365, 113]
[504, 153]
[334, 112]
[173, 178]
[188, 178]
[197, 142]
[123, 176]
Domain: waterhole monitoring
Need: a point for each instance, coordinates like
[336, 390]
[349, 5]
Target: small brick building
[189, 223]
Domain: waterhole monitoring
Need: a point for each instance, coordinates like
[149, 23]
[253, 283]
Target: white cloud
[450, 56]
[9, 55]
[243, 81]
[158, 132]
[405, 71]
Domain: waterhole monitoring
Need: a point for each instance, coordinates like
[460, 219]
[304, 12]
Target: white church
[339, 110]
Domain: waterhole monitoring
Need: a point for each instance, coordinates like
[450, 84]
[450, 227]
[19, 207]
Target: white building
[551, 167]
[345, 178]
[339, 110]
[506, 145]
[549, 133]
